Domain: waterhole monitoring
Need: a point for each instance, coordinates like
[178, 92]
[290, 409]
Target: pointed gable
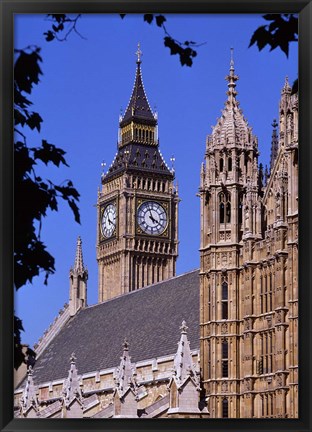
[29, 400]
[183, 362]
[125, 393]
[71, 387]
[124, 375]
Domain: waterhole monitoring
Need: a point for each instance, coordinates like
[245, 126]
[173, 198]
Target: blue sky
[85, 84]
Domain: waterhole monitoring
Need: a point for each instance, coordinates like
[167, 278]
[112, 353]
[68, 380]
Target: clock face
[108, 221]
[152, 218]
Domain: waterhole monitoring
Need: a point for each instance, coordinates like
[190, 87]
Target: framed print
[161, 265]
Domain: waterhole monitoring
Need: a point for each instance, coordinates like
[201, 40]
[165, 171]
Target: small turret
[274, 144]
[78, 276]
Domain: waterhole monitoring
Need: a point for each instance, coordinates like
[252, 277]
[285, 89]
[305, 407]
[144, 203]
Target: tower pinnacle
[232, 59]
[231, 78]
[79, 267]
[78, 276]
[139, 54]
[274, 144]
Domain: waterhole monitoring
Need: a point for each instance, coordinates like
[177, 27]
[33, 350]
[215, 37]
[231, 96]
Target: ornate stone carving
[224, 328]
[224, 386]
[279, 316]
[247, 384]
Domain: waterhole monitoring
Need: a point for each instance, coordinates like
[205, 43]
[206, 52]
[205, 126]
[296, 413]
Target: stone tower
[78, 276]
[249, 266]
[137, 218]
[230, 213]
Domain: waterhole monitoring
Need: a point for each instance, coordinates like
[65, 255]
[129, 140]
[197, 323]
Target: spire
[231, 78]
[232, 127]
[139, 53]
[79, 267]
[286, 88]
[138, 108]
[78, 276]
[124, 375]
[183, 362]
[274, 144]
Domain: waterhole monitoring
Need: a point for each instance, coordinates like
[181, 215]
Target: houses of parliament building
[217, 342]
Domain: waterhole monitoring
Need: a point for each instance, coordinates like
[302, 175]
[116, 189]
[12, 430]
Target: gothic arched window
[224, 298]
[225, 207]
[228, 212]
[225, 408]
[225, 359]
[240, 209]
[230, 164]
[221, 212]
[221, 164]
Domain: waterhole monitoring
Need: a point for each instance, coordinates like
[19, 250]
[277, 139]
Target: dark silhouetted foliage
[282, 30]
[62, 26]
[33, 196]
[185, 50]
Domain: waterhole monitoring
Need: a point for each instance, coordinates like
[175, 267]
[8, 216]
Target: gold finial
[139, 54]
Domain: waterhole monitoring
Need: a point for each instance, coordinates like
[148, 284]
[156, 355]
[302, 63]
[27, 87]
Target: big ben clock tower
[137, 217]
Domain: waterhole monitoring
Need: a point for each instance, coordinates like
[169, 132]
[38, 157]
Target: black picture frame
[7, 9]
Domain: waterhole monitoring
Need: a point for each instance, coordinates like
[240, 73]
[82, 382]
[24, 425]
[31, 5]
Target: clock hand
[153, 220]
[112, 223]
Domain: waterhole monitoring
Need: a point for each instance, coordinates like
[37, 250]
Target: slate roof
[149, 318]
[138, 157]
[138, 107]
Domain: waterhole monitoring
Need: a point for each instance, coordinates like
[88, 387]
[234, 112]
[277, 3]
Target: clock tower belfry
[137, 206]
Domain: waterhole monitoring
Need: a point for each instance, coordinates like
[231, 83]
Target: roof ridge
[140, 290]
